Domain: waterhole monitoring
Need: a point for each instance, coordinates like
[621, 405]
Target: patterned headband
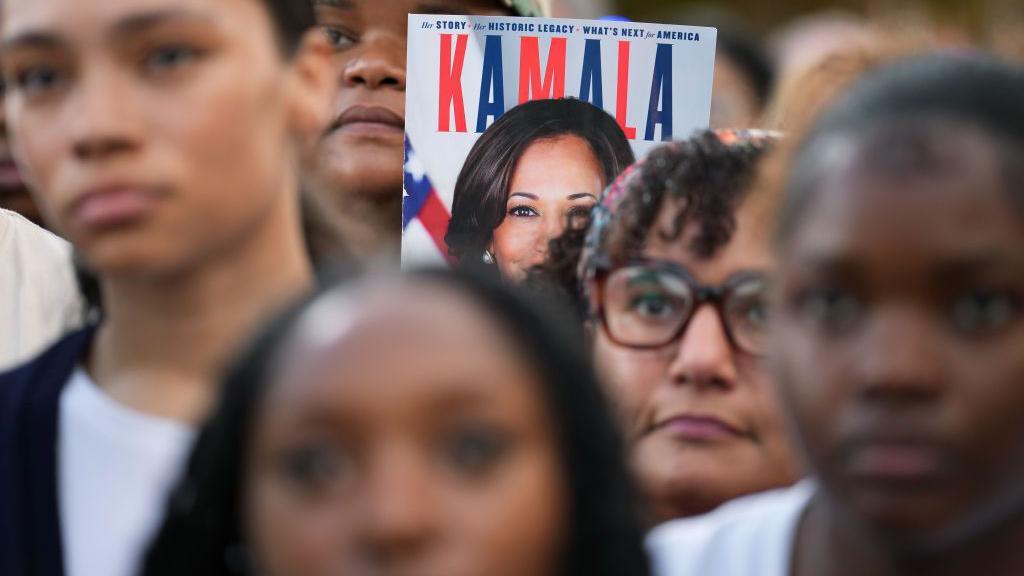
[606, 211]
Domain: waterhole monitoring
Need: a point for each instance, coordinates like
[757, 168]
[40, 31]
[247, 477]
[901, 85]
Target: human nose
[378, 62]
[898, 358]
[704, 356]
[101, 125]
[398, 516]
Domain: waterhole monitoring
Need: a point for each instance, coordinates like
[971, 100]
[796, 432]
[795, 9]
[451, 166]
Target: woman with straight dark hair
[353, 439]
[534, 170]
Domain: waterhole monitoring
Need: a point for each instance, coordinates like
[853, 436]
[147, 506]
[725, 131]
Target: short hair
[202, 532]
[481, 191]
[902, 103]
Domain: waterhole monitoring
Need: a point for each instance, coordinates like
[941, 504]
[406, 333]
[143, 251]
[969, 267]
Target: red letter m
[530, 85]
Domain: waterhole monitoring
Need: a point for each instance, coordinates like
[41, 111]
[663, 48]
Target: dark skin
[355, 171]
[899, 354]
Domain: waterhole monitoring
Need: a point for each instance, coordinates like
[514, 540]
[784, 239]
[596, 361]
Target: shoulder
[17, 232]
[46, 374]
[752, 535]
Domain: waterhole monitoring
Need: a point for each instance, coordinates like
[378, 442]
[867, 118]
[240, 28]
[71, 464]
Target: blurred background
[779, 59]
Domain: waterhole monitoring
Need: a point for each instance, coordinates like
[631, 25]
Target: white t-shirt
[750, 536]
[115, 470]
[39, 297]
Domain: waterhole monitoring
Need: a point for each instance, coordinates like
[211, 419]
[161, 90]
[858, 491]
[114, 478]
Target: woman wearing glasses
[675, 272]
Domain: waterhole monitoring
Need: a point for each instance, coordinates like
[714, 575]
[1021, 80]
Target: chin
[132, 260]
[358, 175]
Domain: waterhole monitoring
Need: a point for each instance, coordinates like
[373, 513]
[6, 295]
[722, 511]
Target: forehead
[407, 348]
[82, 17]
[563, 159]
[747, 250]
[950, 200]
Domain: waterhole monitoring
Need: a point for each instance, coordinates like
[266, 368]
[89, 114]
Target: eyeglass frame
[703, 294]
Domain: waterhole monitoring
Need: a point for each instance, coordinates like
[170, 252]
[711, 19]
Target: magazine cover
[514, 125]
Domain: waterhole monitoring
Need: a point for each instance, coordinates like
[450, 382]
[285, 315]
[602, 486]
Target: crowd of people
[789, 345]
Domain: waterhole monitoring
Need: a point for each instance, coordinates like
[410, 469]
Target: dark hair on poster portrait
[482, 189]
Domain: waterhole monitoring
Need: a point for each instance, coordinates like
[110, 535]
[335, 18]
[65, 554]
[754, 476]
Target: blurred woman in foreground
[432, 425]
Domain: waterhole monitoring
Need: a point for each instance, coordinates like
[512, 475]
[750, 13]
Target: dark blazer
[30, 541]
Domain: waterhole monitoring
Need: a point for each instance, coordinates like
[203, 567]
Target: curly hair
[705, 179]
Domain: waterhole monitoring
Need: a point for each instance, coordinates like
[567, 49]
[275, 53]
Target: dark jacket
[30, 541]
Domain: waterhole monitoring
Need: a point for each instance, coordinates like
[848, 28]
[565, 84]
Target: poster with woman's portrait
[515, 125]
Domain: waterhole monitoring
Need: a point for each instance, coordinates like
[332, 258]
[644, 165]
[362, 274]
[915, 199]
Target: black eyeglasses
[648, 304]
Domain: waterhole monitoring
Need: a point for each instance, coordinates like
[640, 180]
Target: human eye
[339, 38]
[749, 305]
[311, 468]
[170, 57]
[980, 312]
[830, 308]
[473, 450]
[523, 212]
[34, 80]
[581, 211]
[652, 305]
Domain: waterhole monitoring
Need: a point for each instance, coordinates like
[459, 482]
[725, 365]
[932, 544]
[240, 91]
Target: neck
[368, 225]
[165, 341]
[829, 546]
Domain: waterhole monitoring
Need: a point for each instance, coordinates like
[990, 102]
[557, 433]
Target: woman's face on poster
[554, 180]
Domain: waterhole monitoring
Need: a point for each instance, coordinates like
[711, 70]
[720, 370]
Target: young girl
[898, 340]
[162, 138]
[359, 437]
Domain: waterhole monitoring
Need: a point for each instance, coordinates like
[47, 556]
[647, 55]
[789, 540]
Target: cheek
[990, 395]
[39, 144]
[808, 375]
[630, 376]
[518, 523]
[511, 241]
[762, 394]
[289, 536]
[228, 138]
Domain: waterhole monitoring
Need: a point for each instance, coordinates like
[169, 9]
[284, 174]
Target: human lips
[895, 460]
[10, 177]
[698, 428]
[114, 204]
[369, 121]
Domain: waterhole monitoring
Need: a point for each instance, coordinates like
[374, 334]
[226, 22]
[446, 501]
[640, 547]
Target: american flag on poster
[424, 215]
[464, 72]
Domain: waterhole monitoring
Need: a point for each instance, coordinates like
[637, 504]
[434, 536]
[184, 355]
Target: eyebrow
[576, 196]
[133, 24]
[525, 195]
[141, 22]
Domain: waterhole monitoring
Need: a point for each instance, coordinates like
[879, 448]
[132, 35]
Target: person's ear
[312, 88]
